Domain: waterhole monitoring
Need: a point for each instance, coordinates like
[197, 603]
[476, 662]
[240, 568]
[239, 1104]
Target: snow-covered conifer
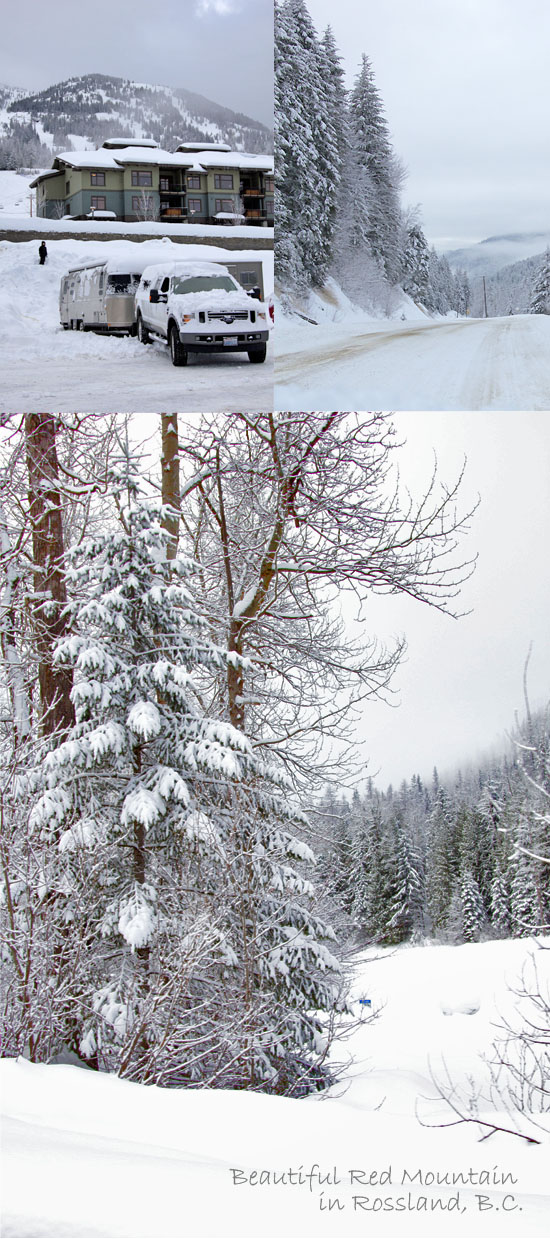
[473, 911]
[171, 857]
[416, 265]
[540, 296]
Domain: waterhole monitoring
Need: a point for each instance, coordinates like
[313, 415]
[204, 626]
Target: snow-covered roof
[43, 176]
[119, 143]
[196, 160]
[114, 266]
[203, 146]
[95, 213]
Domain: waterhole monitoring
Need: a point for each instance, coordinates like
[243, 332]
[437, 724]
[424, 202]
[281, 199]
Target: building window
[142, 178]
[194, 181]
[142, 203]
[67, 187]
[269, 184]
[225, 205]
[223, 180]
[98, 204]
[194, 205]
[165, 184]
[97, 178]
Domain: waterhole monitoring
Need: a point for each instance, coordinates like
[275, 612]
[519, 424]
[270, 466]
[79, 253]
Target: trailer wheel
[65, 326]
[257, 354]
[142, 332]
[178, 351]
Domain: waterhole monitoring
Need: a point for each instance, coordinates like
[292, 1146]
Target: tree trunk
[171, 479]
[50, 595]
[8, 639]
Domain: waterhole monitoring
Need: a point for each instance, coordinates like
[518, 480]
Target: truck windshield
[122, 283]
[203, 284]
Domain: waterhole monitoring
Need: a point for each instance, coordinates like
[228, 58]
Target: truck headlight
[187, 318]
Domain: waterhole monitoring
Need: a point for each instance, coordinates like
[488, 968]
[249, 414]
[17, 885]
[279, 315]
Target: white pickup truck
[199, 307]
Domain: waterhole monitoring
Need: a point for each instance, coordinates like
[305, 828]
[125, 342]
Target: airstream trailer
[99, 296]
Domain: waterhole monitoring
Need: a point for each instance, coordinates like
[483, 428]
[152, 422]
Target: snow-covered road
[469, 364]
[44, 367]
[122, 376]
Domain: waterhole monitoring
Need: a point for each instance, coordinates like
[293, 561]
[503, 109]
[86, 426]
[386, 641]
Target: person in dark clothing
[43, 251]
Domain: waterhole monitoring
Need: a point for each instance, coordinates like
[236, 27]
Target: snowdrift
[89, 1154]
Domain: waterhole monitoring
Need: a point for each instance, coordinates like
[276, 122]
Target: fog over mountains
[490, 255]
[83, 111]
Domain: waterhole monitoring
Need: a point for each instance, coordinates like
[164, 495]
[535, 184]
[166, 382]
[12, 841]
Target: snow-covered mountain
[83, 111]
[493, 253]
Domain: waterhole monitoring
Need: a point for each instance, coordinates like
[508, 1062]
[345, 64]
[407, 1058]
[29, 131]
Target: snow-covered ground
[362, 363]
[87, 1154]
[15, 196]
[44, 367]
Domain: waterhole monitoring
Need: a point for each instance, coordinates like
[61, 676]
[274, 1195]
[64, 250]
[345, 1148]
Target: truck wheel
[257, 354]
[142, 332]
[65, 326]
[178, 352]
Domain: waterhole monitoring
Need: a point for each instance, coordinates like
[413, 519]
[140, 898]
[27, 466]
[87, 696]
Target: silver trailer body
[99, 296]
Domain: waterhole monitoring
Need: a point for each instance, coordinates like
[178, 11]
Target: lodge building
[130, 179]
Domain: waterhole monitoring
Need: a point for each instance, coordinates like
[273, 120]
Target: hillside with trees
[339, 183]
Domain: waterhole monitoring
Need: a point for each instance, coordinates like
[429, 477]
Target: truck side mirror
[154, 296]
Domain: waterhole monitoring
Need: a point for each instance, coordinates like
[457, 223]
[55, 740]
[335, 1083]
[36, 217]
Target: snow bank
[29, 293]
[49, 227]
[92, 1154]
[330, 304]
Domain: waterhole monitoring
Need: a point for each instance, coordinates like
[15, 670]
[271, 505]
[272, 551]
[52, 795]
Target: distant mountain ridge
[494, 253]
[86, 110]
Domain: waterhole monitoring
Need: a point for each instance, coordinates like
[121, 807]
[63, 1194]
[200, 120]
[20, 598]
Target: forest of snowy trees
[174, 681]
[339, 180]
[457, 859]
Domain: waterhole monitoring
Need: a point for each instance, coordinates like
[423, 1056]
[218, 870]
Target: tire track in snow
[293, 367]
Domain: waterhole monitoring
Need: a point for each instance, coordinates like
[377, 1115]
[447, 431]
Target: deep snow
[358, 362]
[89, 1154]
[46, 367]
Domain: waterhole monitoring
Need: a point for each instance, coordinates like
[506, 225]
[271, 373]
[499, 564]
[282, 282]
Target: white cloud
[221, 7]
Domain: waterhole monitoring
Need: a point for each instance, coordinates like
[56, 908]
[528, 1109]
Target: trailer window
[119, 283]
[203, 284]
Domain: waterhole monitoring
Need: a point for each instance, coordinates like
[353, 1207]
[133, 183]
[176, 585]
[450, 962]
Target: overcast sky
[466, 88]
[457, 691]
[221, 48]
[462, 679]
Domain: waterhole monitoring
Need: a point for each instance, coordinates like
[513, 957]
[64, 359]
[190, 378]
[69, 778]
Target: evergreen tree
[540, 296]
[307, 146]
[372, 152]
[416, 265]
[169, 857]
[473, 911]
[500, 903]
[409, 909]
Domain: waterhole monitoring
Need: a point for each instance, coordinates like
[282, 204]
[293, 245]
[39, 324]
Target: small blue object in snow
[366, 1002]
